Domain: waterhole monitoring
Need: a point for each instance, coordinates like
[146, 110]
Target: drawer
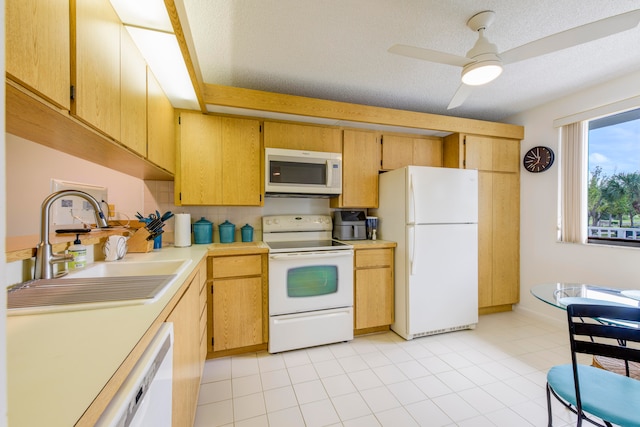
[365, 258]
[236, 266]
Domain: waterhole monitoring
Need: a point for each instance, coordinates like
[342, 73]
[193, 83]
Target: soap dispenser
[79, 253]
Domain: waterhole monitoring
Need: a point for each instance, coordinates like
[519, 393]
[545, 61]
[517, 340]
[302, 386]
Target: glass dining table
[560, 295]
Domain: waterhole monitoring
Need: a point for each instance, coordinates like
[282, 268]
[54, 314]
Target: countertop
[57, 363]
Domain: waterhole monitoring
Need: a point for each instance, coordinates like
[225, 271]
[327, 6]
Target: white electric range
[310, 282]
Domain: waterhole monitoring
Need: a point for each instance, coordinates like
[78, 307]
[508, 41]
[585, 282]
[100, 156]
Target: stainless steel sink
[101, 285]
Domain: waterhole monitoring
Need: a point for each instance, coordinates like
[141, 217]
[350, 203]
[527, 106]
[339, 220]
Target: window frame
[611, 119]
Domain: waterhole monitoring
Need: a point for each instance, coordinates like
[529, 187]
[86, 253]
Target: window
[613, 179]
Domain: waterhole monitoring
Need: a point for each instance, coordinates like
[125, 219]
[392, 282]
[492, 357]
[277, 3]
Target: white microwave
[302, 172]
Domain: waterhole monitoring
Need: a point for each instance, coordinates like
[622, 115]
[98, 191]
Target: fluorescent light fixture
[148, 23]
[150, 14]
[163, 55]
[481, 72]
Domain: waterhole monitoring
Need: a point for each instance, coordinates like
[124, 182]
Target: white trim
[603, 110]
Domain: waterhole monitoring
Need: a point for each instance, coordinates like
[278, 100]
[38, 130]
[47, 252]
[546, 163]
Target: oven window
[297, 173]
[312, 281]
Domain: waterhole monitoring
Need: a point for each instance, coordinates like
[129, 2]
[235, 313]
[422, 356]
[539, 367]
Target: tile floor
[491, 376]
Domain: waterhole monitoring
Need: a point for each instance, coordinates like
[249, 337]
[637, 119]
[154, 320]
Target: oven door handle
[324, 254]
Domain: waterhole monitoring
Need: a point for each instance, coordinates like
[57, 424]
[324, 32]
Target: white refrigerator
[432, 214]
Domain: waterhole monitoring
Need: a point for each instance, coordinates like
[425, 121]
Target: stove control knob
[276, 221]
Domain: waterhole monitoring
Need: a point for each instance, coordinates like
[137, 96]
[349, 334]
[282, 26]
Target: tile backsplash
[159, 195]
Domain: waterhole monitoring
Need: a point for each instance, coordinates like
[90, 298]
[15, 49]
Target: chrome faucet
[45, 258]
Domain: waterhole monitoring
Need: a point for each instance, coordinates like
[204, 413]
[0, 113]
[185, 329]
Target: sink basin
[98, 286]
[131, 268]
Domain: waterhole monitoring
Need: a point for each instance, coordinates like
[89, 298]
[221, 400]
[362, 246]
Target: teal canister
[227, 232]
[203, 231]
[247, 233]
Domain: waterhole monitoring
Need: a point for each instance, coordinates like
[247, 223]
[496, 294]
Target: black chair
[599, 330]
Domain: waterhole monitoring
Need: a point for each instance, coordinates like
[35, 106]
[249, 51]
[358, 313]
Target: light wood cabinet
[95, 65]
[133, 96]
[238, 312]
[37, 47]
[187, 357]
[73, 68]
[302, 137]
[360, 164]
[373, 288]
[482, 153]
[161, 142]
[204, 347]
[400, 151]
[219, 161]
[498, 164]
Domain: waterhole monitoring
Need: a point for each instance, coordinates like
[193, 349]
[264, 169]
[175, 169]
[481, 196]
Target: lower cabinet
[188, 360]
[373, 288]
[238, 311]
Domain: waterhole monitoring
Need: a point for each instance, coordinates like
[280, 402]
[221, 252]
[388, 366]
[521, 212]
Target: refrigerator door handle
[412, 250]
[412, 200]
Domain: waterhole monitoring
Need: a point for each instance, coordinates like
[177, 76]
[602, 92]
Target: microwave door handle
[329, 174]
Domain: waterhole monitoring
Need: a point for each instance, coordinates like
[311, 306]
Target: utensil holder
[139, 243]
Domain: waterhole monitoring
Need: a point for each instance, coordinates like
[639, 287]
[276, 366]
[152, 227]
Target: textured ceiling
[337, 50]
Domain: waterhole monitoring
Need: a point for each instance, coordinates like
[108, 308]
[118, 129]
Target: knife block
[139, 243]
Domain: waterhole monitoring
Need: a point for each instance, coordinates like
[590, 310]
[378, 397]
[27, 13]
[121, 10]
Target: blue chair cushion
[607, 395]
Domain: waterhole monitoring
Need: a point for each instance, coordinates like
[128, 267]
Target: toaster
[349, 225]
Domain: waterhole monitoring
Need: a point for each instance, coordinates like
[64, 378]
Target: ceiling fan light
[479, 73]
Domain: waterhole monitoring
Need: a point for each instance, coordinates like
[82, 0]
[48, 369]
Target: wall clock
[538, 159]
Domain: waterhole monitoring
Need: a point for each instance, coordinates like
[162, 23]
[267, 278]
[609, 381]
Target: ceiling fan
[484, 63]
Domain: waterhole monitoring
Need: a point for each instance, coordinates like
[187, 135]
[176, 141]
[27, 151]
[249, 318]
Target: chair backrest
[604, 330]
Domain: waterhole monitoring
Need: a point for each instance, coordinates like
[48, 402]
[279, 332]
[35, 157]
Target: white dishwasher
[145, 396]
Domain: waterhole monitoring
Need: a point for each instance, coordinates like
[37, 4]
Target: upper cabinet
[73, 68]
[37, 47]
[96, 65]
[302, 137]
[133, 96]
[219, 161]
[161, 147]
[360, 164]
[400, 151]
[483, 153]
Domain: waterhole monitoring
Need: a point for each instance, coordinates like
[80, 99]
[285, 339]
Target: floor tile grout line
[503, 347]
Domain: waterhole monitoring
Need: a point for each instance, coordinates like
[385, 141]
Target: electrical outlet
[112, 210]
[71, 212]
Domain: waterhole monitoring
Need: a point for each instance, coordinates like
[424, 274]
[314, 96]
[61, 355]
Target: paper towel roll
[182, 230]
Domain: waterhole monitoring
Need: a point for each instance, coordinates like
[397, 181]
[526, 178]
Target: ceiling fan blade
[429, 55]
[459, 97]
[573, 37]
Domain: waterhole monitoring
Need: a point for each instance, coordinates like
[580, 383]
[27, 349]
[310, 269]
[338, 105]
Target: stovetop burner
[299, 233]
